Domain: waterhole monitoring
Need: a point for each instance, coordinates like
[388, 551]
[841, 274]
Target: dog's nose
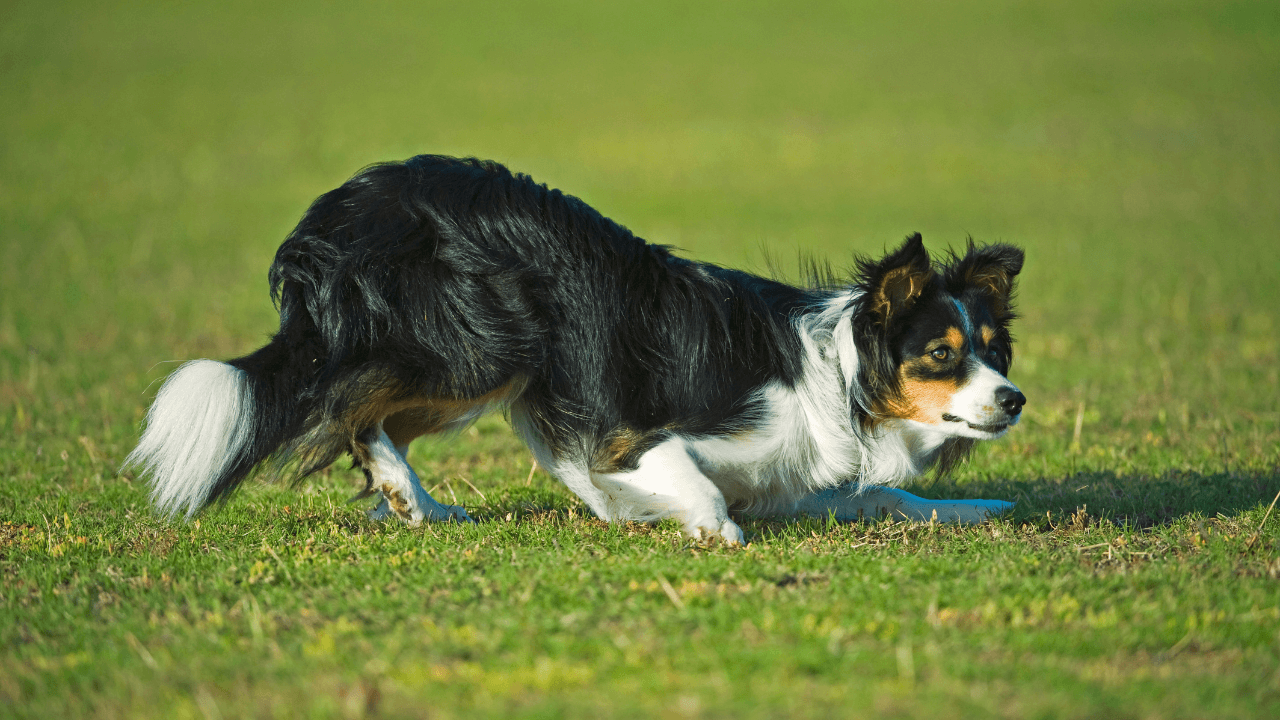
[1010, 399]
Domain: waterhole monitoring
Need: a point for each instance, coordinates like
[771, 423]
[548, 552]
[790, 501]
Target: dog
[419, 295]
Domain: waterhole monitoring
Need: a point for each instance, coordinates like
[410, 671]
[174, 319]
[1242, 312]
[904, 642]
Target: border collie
[421, 294]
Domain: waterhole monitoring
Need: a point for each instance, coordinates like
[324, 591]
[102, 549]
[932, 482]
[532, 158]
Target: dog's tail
[199, 432]
[212, 423]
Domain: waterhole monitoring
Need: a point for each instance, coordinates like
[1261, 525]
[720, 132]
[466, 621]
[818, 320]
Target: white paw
[729, 533]
[447, 513]
[413, 517]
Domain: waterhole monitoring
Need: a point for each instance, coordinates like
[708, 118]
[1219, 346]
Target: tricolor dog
[421, 294]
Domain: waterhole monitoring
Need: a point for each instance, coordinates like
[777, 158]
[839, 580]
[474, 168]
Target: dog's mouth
[993, 428]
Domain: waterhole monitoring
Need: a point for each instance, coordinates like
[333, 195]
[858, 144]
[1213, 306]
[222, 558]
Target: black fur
[908, 301]
[451, 278]
[891, 287]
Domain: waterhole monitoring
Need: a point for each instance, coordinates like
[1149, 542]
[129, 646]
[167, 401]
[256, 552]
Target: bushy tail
[196, 434]
[212, 423]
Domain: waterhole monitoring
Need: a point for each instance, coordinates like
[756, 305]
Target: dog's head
[933, 339]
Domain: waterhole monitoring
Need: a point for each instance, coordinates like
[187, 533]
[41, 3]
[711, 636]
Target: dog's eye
[941, 353]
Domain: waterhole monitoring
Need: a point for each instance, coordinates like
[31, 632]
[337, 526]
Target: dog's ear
[893, 283]
[992, 270]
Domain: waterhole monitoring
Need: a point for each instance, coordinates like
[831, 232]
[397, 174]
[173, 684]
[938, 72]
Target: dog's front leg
[668, 483]
[856, 502]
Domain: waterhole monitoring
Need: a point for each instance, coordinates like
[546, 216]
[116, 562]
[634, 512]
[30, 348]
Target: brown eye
[941, 354]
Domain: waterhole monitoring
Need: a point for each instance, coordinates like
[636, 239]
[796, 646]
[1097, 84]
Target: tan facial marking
[988, 334]
[954, 338]
[928, 399]
[920, 400]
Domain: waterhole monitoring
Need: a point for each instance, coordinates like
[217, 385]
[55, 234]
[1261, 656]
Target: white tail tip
[201, 418]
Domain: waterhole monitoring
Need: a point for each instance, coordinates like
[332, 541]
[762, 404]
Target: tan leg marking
[396, 501]
[405, 417]
[623, 448]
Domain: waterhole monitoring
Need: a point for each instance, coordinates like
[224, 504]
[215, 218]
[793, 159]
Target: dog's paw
[728, 533]
[412, 517]
[731, 534]
[447, 513]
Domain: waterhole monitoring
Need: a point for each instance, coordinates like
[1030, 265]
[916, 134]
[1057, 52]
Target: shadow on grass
[1141, 500]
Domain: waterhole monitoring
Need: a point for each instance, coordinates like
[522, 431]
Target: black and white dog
[419, 295]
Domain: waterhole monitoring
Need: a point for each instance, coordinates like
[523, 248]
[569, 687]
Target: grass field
[152, 157]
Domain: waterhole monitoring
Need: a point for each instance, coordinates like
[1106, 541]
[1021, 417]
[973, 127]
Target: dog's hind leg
[668, 483]
[402, 493]
[854, 502]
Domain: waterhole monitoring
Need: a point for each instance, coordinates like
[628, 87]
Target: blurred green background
[152, 156]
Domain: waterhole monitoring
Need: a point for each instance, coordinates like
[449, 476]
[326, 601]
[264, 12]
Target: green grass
[152, 158]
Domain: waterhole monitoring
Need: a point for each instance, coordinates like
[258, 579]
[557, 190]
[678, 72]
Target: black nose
[1011, 400]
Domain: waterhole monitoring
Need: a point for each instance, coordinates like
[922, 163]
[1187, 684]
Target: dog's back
[426, 292]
